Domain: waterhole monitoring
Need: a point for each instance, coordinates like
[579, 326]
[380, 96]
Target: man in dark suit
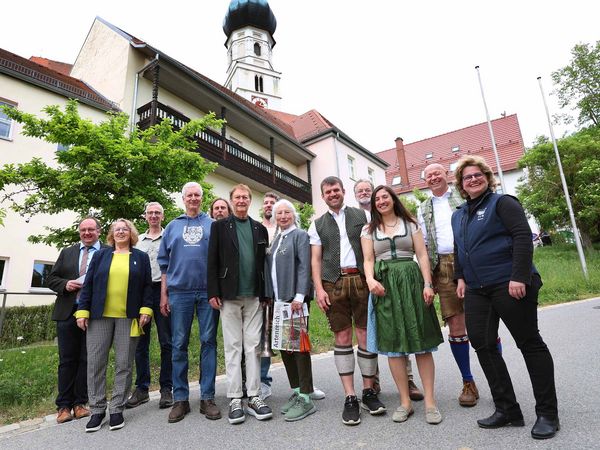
[66, 279]
[236, 256]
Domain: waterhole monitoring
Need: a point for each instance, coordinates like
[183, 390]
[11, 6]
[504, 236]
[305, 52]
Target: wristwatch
[429, 285]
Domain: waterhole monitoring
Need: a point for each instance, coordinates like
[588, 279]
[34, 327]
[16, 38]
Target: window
[453, 166]
[422, 174]
[396, 180]
[351, 170]
[371, 173]
[429, 155]
[5, 123]
[258, 83]
[3, 267]
[257, 49]
[456, 148]
[39, 277]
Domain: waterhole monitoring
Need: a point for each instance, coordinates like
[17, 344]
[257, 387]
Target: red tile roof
[307, 125]
[19, 67]
[473, 140]
[57, 66]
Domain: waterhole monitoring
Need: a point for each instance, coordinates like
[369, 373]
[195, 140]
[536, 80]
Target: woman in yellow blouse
[115, 304]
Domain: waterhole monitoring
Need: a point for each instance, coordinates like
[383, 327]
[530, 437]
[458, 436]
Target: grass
[28, 384]
[28, 373]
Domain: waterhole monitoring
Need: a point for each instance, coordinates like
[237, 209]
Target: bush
[31, 323]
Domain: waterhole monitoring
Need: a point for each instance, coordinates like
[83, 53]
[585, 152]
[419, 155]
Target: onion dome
[256, 13]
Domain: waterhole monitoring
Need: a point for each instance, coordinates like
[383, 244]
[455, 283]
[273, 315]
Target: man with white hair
[183, 264]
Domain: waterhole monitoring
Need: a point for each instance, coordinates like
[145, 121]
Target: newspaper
[282, 320]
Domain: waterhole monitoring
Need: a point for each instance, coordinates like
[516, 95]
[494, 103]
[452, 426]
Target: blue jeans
[265, 365]
[142, 359]
[182, 315]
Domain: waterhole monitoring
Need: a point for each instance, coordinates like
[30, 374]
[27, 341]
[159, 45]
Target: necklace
[391, 226]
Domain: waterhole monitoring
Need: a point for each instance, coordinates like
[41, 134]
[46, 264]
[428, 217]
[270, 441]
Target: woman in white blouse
[288, 264]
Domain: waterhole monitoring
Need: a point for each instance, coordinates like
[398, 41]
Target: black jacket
[223, 258]
[65, 269]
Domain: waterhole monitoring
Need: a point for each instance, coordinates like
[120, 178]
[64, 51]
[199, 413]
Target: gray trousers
[101, 335]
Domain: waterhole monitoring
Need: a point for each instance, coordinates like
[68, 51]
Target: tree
[543, 196]
[305, 211]
[579, 83]
[104, 171]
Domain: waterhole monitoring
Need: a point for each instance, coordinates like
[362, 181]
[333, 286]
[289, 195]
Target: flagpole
[564, 186]
[487, 115]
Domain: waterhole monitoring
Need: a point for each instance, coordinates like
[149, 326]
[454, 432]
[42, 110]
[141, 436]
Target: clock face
[260, 101]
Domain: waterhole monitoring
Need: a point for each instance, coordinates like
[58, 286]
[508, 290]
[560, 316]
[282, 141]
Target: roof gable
[42, 76]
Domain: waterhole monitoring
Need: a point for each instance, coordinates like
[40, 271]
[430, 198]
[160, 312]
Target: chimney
[401, 156]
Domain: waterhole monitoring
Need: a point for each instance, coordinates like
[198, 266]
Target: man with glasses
[149, 242]
[182, 260]
[434, 217]
[66, 279]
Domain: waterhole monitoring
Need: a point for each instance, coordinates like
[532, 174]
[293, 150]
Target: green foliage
[543, 196]
[306, 212]
[410, 204]
[2, 216]
[24, 325]
[579, 83]
[420, 195]
[104, 171]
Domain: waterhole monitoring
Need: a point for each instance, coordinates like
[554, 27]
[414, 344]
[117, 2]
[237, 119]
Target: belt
[349, 271]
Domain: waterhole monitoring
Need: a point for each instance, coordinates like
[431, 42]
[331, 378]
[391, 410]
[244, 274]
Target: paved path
[572, 332]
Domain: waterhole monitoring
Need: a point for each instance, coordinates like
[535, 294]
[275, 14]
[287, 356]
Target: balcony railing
[230, 154]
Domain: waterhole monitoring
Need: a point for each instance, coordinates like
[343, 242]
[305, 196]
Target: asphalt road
[571, 331]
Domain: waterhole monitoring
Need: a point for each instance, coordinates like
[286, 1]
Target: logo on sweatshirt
[481, 214]
[192, 235]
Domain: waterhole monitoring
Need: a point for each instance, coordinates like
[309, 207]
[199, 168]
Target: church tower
[249, 26]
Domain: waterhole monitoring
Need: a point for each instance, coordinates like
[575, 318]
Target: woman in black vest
[496, 277]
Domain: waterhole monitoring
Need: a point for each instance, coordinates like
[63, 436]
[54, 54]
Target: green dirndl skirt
[405, 324]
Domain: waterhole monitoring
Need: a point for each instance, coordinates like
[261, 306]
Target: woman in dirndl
[402, 318]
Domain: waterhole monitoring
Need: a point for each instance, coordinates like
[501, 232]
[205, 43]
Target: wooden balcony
[230, 155]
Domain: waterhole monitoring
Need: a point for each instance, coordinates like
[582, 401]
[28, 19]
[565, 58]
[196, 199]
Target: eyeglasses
[122, 230]
[153, 213]
[473, 176]
[364, 191]
[88, 230]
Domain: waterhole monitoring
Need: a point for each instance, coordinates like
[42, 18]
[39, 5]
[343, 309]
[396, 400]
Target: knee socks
[460, 349]
[367, 363]
[344, 359]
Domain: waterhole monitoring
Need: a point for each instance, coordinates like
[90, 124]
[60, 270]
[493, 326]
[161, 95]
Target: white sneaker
[317, 394]
[265, 391]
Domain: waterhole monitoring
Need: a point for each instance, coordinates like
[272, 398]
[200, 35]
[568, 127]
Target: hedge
[25, 325]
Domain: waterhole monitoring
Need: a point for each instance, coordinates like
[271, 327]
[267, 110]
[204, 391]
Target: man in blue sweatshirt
[182, 259]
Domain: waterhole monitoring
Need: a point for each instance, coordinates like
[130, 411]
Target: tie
[84, 260]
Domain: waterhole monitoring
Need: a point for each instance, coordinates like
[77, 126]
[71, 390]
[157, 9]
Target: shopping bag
[287, 327]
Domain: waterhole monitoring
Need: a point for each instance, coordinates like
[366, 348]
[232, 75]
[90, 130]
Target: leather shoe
[499, 419]
[80, 411]
[414, 392]
[64, 415]
[545, 427]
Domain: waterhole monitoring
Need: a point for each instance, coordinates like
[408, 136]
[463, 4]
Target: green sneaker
[300, 409]
[285, 408]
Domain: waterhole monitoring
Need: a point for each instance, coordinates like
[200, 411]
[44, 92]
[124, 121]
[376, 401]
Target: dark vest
[484, 245]
[329, 233]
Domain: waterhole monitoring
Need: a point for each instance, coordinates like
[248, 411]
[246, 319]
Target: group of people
[472, 247]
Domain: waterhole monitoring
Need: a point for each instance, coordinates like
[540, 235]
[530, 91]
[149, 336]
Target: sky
[377, 69]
